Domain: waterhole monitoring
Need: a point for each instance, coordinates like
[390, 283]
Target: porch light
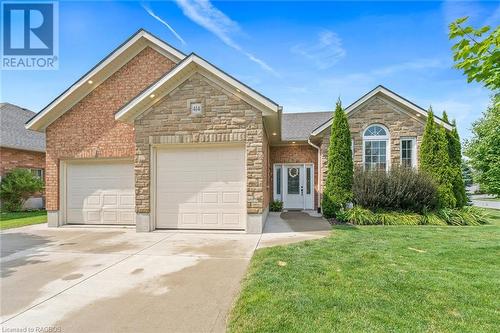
[152, 96]
[90, 81]
[274, 133]
[293, 141]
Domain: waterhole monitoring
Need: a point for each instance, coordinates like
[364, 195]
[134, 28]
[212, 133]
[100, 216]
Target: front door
[294, 187]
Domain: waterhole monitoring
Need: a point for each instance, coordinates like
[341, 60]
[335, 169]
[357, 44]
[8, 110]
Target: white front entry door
[294, 187]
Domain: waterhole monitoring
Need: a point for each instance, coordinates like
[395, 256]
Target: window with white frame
[277, 182]
[376, 148]
[37, 173]
[408, 152]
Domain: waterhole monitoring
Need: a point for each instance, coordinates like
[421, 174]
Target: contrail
[150, 12]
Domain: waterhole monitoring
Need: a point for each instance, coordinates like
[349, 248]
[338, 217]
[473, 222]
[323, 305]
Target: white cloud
[325, 52]
[205, 14]
[162, 21]
[414, 65]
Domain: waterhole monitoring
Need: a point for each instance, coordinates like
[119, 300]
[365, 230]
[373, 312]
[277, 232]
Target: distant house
[19, 147]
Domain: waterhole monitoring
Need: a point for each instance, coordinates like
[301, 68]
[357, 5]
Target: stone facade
[89, 129]
[225, 119]
[296, 153]
[16, 158]
[378, 111]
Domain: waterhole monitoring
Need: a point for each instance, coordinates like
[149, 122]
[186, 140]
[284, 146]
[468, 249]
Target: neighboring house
[19, 147]
[158, 139]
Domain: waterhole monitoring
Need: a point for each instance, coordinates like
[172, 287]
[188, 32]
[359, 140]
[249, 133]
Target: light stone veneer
[225, 119]
[378, 111]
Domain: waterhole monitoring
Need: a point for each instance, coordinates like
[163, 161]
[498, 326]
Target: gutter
[319, 172]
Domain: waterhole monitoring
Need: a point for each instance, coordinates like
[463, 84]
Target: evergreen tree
[455, 156]
[434, 161]
[338, 187]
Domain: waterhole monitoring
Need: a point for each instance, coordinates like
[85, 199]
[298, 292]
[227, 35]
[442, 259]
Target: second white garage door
[201, 187]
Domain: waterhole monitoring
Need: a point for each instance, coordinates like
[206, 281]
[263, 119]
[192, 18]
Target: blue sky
[303, 55]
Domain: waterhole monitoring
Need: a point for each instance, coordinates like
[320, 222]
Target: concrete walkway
[116, 280]
[478, 201]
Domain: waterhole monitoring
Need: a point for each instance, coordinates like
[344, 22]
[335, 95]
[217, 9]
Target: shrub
[276, 206]
[455, 156]
[338, 187]
[434, 160]
[401, 189]
[359, 215]
[16, 187]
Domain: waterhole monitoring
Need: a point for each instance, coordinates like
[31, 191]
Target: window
[293, 180]
[352, 149]
[308, 180]
[37, 172]
[376, 148]
[196, 108]
[408, 152]
[278, 180]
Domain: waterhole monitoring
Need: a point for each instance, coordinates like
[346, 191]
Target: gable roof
[99, 73]
[387, 93]
[13, 134]
[191, 64]
[298, 126]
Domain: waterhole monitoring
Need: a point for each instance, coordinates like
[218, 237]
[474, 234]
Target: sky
[303, 55]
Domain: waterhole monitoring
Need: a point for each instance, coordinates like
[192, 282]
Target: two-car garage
[193, 187]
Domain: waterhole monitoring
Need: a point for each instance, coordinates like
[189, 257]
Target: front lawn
[376, 279]
[21, 219]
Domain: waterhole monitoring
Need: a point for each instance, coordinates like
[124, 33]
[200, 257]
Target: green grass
[377, 279]
[21, 219]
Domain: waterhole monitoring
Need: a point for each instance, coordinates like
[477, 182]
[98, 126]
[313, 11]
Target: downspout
[319, 172]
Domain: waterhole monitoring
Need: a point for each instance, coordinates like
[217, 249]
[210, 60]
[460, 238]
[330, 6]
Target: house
[19, 147]
[155, 138]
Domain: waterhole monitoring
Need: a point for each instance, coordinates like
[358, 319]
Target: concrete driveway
[114, 279]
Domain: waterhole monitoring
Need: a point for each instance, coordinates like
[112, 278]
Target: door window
[293, 180]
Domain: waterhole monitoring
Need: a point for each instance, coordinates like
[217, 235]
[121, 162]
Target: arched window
[376, 148]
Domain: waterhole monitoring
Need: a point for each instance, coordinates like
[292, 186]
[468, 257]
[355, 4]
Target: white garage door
[100, 193]
[201, 187]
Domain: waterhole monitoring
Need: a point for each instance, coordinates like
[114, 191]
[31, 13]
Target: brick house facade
[148, 109]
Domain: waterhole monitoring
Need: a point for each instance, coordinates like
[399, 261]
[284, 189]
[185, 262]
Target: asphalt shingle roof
[13, 134]
[298, 126]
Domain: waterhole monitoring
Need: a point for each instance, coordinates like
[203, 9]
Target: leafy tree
[434, 161]
[477, 52]
[338, 188]
[455, 156]
[484, 148]
[17, 186]
[467, 173]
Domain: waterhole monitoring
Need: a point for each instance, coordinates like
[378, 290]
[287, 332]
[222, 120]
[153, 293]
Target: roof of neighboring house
[298, 126]
[13, 134]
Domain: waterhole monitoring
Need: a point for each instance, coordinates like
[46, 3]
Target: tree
[477, 52]
[338, 187]
[434, 161]
[467, 173]
[455, 156]
[483, 149]
[17, 186]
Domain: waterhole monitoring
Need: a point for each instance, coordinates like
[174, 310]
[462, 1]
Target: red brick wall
[89, 129]
[296, 153]
[15, 158]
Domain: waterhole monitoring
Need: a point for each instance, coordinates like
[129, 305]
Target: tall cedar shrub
[434, 161]
[16, 187]
[338, 188]
[455, 156]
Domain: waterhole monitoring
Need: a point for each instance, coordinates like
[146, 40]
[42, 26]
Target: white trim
[133, 108]
[172, 53]
[389, 94]
[303, 180]
[413, 150]
[386, 138]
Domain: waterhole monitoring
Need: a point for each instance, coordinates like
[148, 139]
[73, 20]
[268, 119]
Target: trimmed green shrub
[16, 187]
[434, 161]
[455, 156]
[338, 187]
[359, 215]
[276, 206]
[401, 189]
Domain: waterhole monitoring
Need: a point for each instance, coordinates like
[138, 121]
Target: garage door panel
[201, 187]
[100, 192]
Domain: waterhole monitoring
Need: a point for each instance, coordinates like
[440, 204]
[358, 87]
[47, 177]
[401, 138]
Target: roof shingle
[13, 134]
[298, 126]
